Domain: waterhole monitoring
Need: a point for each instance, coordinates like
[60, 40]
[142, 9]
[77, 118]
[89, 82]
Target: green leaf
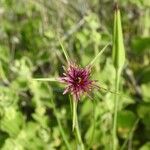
[12, 121]
[46, 79]
[125, 121]
[145, 146]
[143, 111]
[141, 44]
[145, 88]
[98, 55]
[143, 75]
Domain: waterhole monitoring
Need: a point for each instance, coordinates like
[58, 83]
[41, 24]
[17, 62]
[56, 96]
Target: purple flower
[77, 80]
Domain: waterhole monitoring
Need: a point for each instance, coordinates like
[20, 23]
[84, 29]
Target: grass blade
[60, 127]
[130, 134]
[64, 51]
[93, 61]
[46, 79]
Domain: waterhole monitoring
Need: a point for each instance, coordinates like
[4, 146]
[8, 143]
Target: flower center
[78, 80]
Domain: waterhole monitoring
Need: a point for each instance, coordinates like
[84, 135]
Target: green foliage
[34, 114]
[126, 120]
[141, 44]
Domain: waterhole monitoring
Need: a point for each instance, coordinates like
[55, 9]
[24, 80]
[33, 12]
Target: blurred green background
[29, 48]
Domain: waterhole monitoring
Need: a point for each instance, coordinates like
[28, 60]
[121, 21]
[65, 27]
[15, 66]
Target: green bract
[118, 45]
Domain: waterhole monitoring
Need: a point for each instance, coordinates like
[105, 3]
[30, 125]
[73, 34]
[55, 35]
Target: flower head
[77, 80]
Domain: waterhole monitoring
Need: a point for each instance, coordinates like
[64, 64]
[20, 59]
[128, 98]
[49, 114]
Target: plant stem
[94, 124]
[74, 107]
[76, 125]
[60, 127]
[130, 135]
[117, 76]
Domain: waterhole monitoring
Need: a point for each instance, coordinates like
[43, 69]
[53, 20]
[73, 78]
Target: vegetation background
[29, 48]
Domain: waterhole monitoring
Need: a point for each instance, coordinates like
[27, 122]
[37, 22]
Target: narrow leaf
[98, 55]
[64, 51]
[45, 79]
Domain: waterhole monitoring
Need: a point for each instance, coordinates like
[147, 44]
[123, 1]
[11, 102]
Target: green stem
[60, 127]
[74, 120]
[94, 124]
[76, 125]
[130, 135]
[117, 76]
[70, 99]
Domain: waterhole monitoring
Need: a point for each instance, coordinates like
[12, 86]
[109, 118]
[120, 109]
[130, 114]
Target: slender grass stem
[130, 135]
[114, 134]
[94, 124]
[62, 132]
[60, 127]
[59, 124]
[76, 126]
[46, 79]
